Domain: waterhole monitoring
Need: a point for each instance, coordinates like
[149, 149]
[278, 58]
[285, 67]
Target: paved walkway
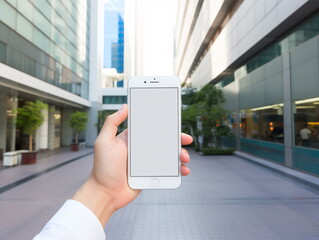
[225, 197]
[45, 160]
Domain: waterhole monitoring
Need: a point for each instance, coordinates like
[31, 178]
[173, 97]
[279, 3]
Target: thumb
[112, 122]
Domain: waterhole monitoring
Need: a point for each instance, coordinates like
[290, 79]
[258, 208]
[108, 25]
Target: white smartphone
[154, 132]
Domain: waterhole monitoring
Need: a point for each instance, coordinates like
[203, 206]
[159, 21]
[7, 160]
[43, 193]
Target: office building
[48, 52]
[113, 86]
[114, 37]
[264, 56]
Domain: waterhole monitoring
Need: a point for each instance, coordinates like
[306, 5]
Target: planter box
[19, 158]
[10, 159]
[74, 147]
[29, 158]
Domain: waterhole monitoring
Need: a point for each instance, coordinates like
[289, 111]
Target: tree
[204, 106]
[78, 122]
[189, 95]
[30, 117]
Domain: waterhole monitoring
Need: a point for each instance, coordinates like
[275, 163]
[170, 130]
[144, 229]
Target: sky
[112, 5]
[158, 38]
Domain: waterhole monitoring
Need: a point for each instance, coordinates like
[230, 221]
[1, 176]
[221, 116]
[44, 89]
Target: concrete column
[13, 130]
[288, 115]
[66, 130]
[41, 136]
[51, 127]
[96, 51]
[91, 129]
[3, 122]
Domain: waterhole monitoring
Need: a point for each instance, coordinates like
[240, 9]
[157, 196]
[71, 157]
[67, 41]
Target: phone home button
[154, 182]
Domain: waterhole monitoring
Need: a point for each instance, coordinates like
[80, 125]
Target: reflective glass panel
[306, 119]
[264, 123]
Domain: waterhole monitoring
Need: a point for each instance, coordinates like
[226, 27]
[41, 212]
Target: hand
[106, 189]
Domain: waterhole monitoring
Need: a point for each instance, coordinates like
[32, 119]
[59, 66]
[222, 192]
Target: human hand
[107, 189]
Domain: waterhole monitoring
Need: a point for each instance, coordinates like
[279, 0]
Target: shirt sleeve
[72, 221]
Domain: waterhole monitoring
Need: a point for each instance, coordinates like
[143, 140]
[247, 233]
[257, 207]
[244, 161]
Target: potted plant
[78, 123]
[29, 118]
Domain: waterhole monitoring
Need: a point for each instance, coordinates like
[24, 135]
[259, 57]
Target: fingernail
[121, 108]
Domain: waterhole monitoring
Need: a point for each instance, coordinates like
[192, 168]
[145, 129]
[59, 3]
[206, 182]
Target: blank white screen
[154, 132]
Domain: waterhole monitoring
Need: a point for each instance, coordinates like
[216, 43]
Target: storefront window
[263, 123]
[307, 123]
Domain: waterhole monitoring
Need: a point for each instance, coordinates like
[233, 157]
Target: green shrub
[197, 147]
[218, 151]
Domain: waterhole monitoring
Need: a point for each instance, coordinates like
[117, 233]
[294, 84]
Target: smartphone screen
[154, 114]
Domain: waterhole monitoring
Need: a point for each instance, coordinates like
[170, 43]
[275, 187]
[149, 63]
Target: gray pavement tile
[45, 160]
[225, 197]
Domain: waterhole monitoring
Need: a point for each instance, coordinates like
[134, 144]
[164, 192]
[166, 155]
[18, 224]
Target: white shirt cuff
[73, 221]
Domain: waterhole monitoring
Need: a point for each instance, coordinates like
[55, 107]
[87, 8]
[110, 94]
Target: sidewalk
[46, 160]
[225, 197]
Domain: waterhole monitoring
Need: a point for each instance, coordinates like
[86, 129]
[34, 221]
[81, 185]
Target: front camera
[144, 81]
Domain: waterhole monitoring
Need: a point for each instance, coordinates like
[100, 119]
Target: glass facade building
[44, 55]
[114, 36]
[48, 40]
[268, 69]
[114, 92]
[262, 78]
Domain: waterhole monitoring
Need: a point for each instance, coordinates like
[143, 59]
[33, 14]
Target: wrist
[94, 197]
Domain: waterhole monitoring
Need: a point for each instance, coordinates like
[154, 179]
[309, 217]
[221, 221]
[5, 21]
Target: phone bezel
[146, 182]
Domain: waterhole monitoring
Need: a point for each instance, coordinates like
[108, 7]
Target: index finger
[112, 122]
[186, 139]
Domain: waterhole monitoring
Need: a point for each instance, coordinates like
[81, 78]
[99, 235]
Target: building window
[228, 79]
[264, 123]
[305, 153]
[298, 35]
[306, 119]
[37, 37]
[114, 99]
